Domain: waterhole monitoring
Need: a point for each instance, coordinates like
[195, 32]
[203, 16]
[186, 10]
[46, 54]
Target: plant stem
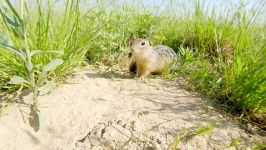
[31, 71]
[29, 65]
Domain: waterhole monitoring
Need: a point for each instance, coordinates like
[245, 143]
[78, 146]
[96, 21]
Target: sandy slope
[99, 112]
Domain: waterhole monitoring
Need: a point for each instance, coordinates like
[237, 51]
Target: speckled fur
[150, 59]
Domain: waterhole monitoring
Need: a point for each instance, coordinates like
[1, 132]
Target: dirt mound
[112, 111]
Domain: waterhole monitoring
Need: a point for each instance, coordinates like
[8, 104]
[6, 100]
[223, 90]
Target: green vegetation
[189, 133]
[221, 54]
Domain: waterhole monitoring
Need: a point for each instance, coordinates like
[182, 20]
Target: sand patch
[99, 112]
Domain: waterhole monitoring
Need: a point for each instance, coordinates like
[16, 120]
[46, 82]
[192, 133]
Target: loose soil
[100, 110]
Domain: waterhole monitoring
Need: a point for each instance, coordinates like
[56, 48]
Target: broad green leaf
[18, 80]
[50, 86]
[51, 66]
[36, 52]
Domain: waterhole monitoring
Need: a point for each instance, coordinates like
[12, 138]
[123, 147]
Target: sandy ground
[103, 111]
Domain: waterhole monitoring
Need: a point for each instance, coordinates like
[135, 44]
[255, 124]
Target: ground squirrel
[150, 59]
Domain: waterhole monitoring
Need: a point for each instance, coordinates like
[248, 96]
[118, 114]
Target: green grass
[221, 54]
[223, 59]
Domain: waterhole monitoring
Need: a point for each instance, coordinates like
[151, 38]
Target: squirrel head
[140, 46]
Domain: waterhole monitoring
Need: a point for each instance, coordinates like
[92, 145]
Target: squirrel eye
[143, 43]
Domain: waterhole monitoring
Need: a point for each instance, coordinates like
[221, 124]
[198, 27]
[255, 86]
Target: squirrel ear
[150, 43]
[129, 41]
